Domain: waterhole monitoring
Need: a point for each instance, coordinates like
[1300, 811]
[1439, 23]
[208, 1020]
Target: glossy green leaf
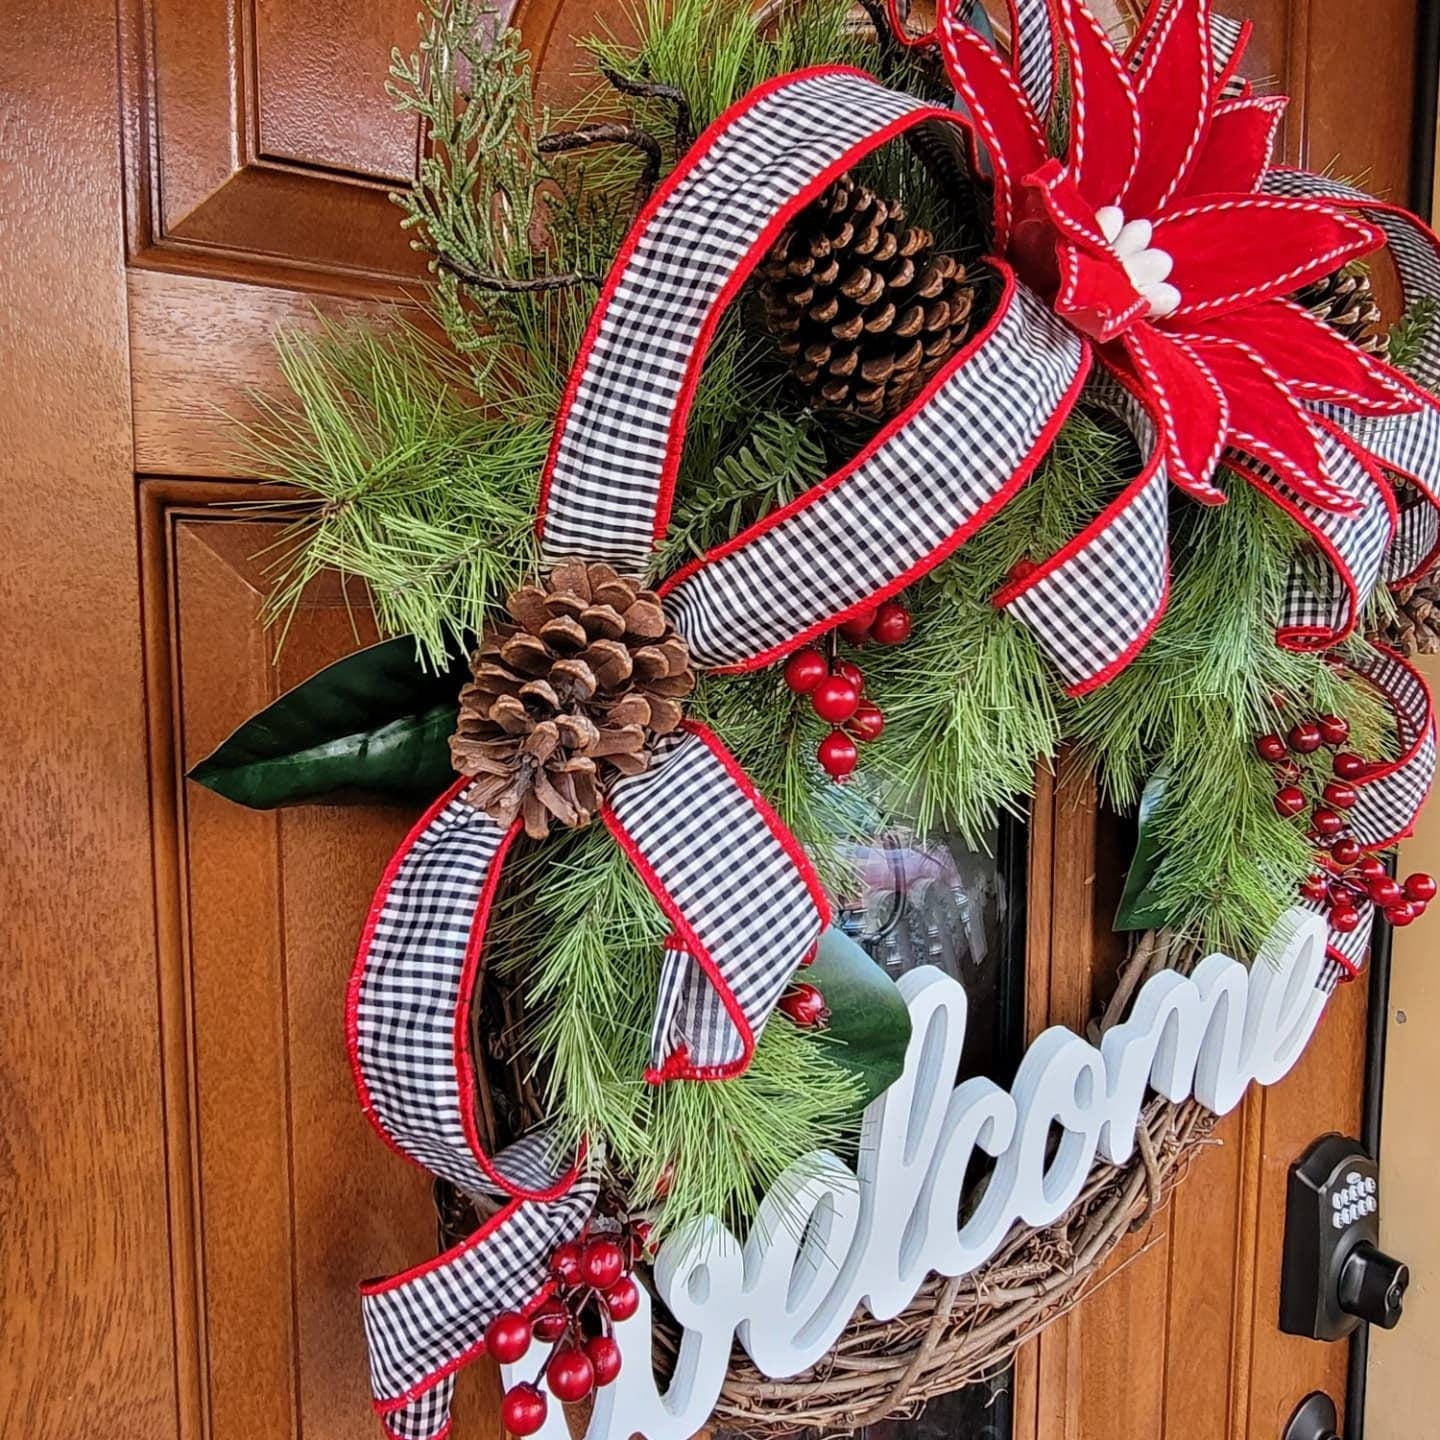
[1139, 909]
[373, 726]
[869, 1022]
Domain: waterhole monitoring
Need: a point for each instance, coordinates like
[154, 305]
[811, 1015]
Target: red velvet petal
[1104, 122]
[1096, 295]
[1269, 423]
[1237, 150]
[1316, 361]
[1233, 251]
[1193, 409]
[1001, 114]
[1175, 90]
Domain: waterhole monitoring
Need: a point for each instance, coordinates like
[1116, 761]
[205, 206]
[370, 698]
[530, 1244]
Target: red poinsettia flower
[1151, 237]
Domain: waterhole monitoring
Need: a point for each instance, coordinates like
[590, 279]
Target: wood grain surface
[188, 1194]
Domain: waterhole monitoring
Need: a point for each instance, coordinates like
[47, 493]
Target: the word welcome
[829, 1239]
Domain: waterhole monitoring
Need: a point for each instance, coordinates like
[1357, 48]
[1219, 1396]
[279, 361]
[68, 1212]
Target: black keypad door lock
[1335, 1275]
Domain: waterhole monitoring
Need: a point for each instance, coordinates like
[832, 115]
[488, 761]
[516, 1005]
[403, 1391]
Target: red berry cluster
[593, 1289]
[837, 688]
[1285, 753]
[1349, 875]
[806, 1006]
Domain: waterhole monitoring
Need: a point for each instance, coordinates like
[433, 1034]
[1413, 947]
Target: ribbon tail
[424, 1325]
[745, 902]
[1094, 604]
[407, 1023]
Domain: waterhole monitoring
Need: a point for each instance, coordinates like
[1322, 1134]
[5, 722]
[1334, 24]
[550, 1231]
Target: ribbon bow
[742, 899]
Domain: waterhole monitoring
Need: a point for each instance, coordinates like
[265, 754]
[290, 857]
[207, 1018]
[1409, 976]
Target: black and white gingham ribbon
[1390, 795]
[735, 892]
[909, 499]
[748, 908]
[611, 472]
[1094, 604]
[407, 1027]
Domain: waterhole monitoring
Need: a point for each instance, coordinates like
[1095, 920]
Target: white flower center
[1147, 266]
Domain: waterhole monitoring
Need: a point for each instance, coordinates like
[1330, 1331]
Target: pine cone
[1345, 301]
[572, 692]
[865, 310]
[1416, 626]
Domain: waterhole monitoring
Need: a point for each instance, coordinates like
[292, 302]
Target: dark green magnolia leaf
[869, 1023]
[1139, 909]
[373, 726]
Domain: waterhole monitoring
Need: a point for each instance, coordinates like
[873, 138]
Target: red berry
[1305, 738]
[838, 755]
[1386, 892]
[1326, 823]
[570, 1375]
[1287, 772]
[805, 1005]
[1404, 913]
[856, 629]
[1372, 867]
[664, 1180]
[602, 1263]
[622, 1299]
[523, 1409]
[565, 1263]
[604, 1356]
[550, 1321]
[1270, 747]
[1344, 918]
[835, 699]
[892, 624]
[507, 1337]
[1420, 886]
[1290, 800]
[1314, 887]
[1345, 851]
[804, 670]
[1334, 729]
[1343, 893]
[867, 723]
[640, 1238]
[1340, 795]
[1348, 766]
[852, 672]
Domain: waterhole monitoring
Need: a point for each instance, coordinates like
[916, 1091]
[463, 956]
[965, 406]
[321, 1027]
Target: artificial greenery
[403, 481]
[416, 468]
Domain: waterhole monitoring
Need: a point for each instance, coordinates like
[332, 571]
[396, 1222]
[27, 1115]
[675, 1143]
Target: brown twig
[654, 90]
[612, 132]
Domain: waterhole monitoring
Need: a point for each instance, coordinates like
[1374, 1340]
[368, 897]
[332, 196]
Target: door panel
[262, 139]
[188, 1192]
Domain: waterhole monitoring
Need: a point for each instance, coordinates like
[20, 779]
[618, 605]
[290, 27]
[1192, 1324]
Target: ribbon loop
[609, 479]
[1095, 603]
[745, 902]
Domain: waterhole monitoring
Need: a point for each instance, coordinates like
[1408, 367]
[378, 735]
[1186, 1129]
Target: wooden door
[189, 1192]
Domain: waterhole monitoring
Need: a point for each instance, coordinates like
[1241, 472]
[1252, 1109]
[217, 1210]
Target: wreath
[828, 420]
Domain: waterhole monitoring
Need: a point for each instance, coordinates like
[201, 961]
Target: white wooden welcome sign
[830, 1238]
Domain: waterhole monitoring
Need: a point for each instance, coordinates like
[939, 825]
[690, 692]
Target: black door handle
[1314, 1420]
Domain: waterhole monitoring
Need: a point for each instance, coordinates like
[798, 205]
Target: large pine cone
[1346, 302]
[1416, 626]
[574, 690]
[865, 310]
